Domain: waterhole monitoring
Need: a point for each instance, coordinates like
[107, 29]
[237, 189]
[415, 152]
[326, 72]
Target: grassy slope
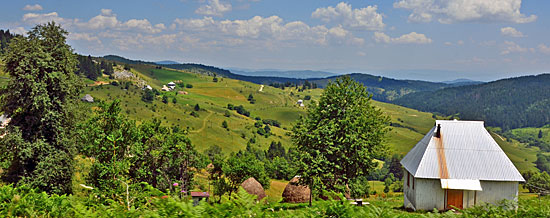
[272, 103]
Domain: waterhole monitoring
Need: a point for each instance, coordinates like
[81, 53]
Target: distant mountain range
[297, 74]
[382, 88]
[463, 82]
[166, 62]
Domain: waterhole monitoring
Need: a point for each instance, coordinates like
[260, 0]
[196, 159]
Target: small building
[165, 88]
[300, 102]
[458, 164]
[171, 85]
[88, 98]
[147, 87]
[199, 196]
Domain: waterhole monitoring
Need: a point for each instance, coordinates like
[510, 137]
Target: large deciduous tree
[39, 99]
[340, 136]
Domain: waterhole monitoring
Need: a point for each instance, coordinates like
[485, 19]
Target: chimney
[438, 131]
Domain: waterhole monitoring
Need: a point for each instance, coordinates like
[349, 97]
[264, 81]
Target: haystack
[253, 187]
[295, 193]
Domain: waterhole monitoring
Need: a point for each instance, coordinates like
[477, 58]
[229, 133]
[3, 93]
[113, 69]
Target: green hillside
[408, 125]
[508, 103]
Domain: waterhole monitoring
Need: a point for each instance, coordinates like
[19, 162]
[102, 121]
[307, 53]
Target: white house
[458, 164]
[171, 85]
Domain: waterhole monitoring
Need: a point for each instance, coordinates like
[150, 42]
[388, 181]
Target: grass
[272, 103]
[522, 156]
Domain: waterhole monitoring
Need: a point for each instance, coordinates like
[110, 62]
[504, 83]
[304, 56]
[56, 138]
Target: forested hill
[382, 88]
[508, 103]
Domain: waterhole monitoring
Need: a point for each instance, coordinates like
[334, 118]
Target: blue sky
[432, 40]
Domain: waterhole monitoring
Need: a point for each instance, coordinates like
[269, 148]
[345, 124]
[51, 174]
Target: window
[408, 179]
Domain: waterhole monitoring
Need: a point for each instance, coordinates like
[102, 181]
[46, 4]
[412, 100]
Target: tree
[251, 99]
[165, 99]
[339, 138]
[224, 124]
[174, 100]
[538, 182]
[242, 166]
[148, 96]
[540, 133]
[40, 98]
[107, 137]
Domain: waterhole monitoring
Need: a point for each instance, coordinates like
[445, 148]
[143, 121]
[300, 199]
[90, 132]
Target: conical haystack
[253, 187]
[295, 193]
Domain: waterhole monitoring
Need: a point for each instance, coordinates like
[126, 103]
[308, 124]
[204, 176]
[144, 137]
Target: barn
[458, 164]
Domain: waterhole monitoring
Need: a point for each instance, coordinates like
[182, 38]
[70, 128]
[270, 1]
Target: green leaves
[39, 98]
[340, 136]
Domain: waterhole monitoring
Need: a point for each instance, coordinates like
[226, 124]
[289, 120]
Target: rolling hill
[296, 74]
[382, 88]
[508, 103]
[408, 125]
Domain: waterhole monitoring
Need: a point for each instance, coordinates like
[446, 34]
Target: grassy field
[271, 103]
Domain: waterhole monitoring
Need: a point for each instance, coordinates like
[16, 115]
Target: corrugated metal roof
[469, 152]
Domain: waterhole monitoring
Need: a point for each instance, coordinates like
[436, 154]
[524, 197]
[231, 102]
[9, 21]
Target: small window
[408, 179]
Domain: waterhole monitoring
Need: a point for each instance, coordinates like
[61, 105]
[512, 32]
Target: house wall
[408, 191]
[429, 194]
[495, 191]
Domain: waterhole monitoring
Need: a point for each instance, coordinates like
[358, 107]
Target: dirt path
[500, 137]
[98, 83]
[203, 124]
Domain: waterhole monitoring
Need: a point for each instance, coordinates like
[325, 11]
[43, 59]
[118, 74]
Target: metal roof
[465, 150]
[200, 194]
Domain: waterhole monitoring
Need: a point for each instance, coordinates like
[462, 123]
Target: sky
[434, 40]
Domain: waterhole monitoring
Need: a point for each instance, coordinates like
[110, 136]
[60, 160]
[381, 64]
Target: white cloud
[544, 48]
[511, 47]
[452, 11]
[33, 18]
[105, 20]
[410, 38]
[84, 37]
[362, 18]
[512, 32]
[266, 29]
[35, 7]
[214, 8]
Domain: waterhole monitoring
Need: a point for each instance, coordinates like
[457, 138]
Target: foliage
[5, 37]
[88, 68]
[40, 99]
[538, 182]
[507, 103]
[340, 136]
[128, 154]
[242, 166]
[148, 95]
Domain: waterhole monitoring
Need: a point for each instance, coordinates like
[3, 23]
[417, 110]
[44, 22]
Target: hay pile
[295, 193]
[253, 187]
